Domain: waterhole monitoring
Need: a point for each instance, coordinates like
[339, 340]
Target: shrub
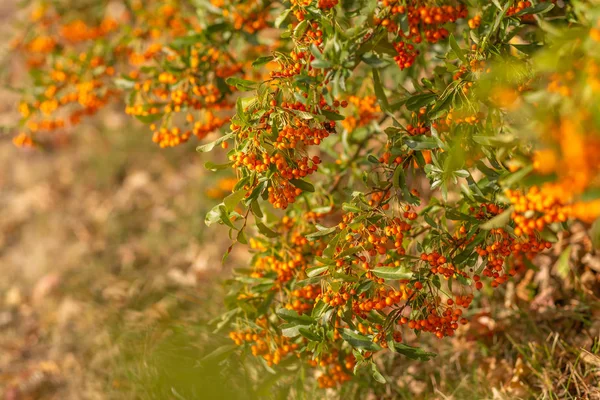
[394, 158]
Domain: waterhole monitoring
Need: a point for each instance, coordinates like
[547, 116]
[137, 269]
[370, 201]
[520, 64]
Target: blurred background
[109, 279]
[108, 275]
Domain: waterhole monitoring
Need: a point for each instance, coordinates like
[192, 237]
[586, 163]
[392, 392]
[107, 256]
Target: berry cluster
[424, 23]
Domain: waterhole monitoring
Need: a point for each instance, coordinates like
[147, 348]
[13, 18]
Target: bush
[395, 160]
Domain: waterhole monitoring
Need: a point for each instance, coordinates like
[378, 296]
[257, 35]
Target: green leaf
[256, 209]
[379, 92]
[300, 29]
[391, 273]
[148, 119]
[372, 159]
[233, 199]
[540, 8]
[322, 233]
[262, 228]
[416, 102]
[303, 114]
[332, 116]
[305, 186]
[595, 234]
[320, 63]
[376, 374]
[281, 18]
[315, 271]
[214, 215]
[224, 215]
[350, 208]
[456, 48]
[307, 333]
[373, 61]
[562, 264]
[293, 317]
[462, 173]
[496, 141]
[398, 179]
[262, 61]
[124, 83]
[499, 221]
[319, 309]
[351, 251]
[359, 341]
[186, 40]
[209, 146]
[291, 330]
[241, 84]
[211, 166]
[241, 237]
[413, 353]
[512, 179]
[421, 143]
[218, 355]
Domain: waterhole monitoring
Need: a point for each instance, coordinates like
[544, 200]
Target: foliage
[393, 158]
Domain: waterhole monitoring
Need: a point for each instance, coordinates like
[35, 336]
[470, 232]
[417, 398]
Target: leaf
[186, 41]
[456, 48]
[379, 92]
[349, 252]
[595, 234]
[499, 221]
[332, 116]
[300, 29]
[241, 237]
[294, 317]
[309, 334]
[256, 209]
[512, 179]
[416, 102]
[398, 179]
[462, 173]
[391, 273]
[305, 186]
[322, 233]
[422, 143]
[148, 119]
[262, 228]
[224, 215]
[562, 264]
[496, 141]
[209, 146]
[291, 330]
[350, 208]
[124, 83]
[413, 353]
[281, 18]
[359, 341]
[262, 60]
[315, 51]
[373, 61]
[376, 374]
[320, 63]
[211, 166]
[233, 199]
[214, 215]
[315, 271]
[540, 8]
[319, 309]
[241, 84]
[219, 354]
